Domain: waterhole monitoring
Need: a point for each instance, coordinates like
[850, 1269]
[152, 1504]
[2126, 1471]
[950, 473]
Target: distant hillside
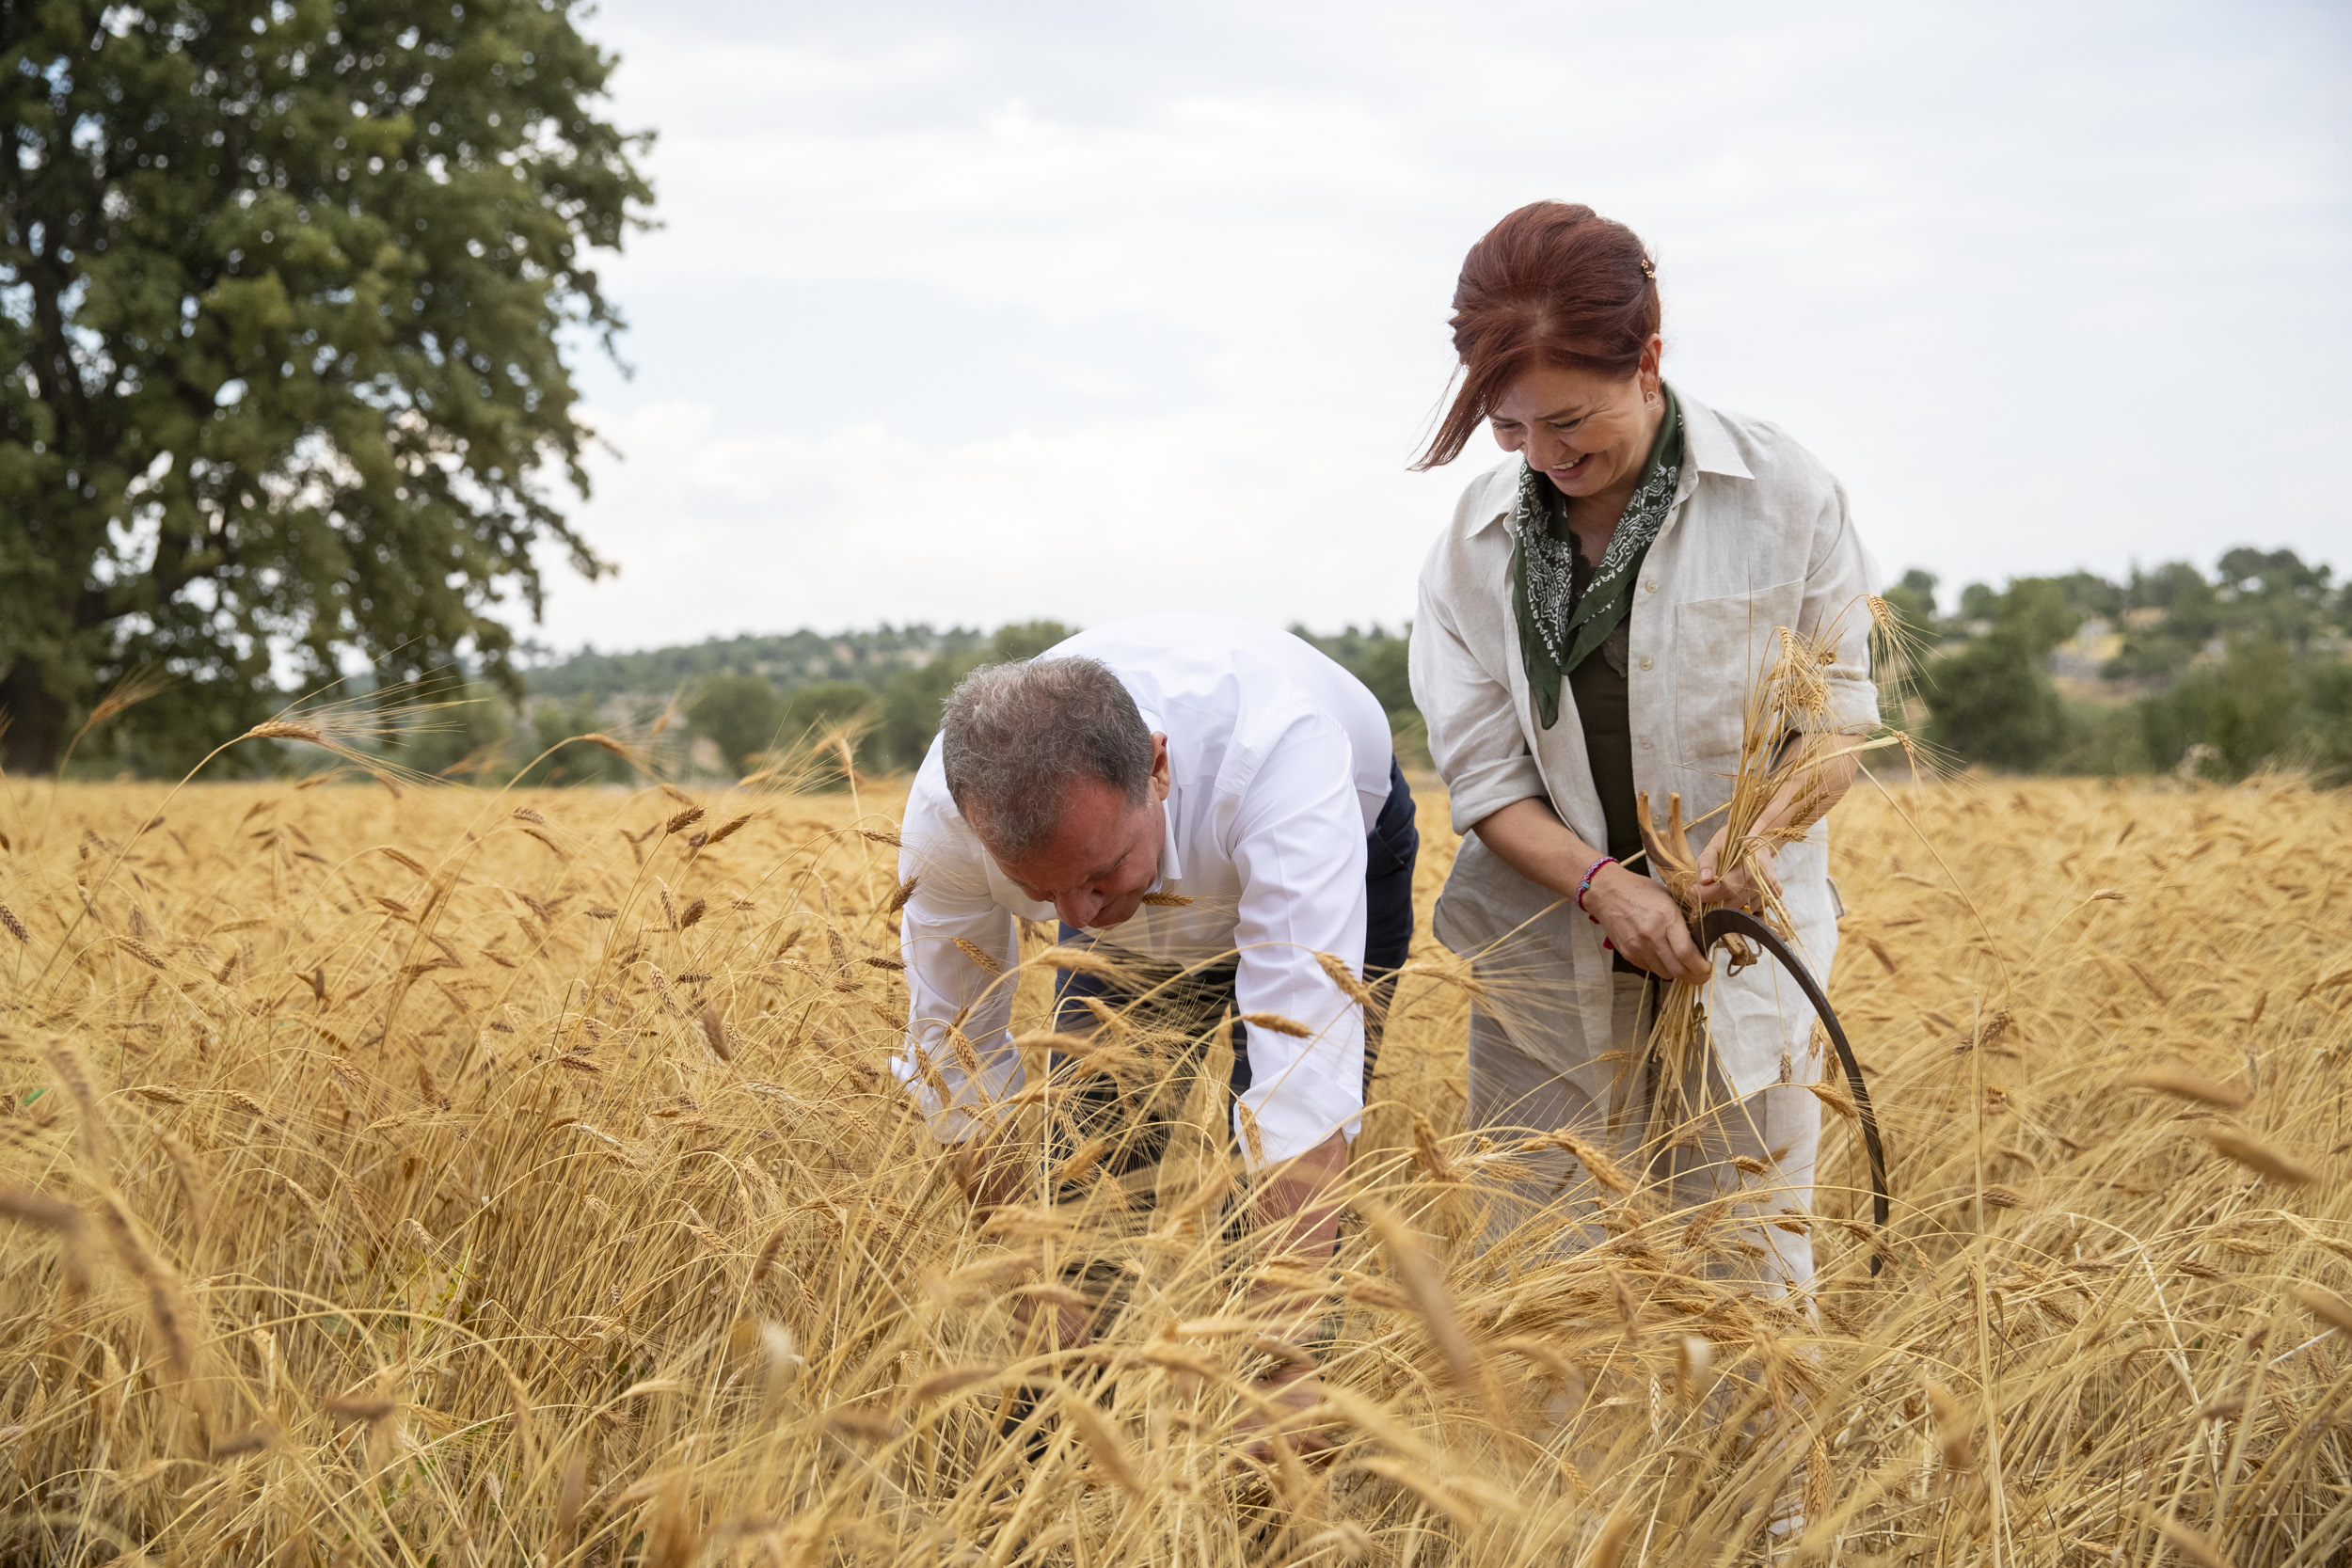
[790, 660]
[786, 661]
[2174, 669]
[744, 696]
[2166, 670]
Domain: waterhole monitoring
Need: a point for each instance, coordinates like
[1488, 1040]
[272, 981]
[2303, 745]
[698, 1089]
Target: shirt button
[1646, 743]
[1646, 664]
[1650, 587]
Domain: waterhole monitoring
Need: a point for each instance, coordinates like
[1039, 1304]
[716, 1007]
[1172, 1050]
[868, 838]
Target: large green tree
[288, 290]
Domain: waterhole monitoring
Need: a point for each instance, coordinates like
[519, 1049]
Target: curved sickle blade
[1719, 923]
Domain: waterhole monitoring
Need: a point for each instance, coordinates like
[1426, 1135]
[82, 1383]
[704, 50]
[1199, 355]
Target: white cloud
[863, 524]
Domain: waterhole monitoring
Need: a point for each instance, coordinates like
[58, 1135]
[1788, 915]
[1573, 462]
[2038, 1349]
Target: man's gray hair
[1015, 737]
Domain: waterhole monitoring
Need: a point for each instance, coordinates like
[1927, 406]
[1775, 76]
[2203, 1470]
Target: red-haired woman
[1590, 624]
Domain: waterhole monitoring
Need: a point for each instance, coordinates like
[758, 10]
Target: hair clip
[1649, 269]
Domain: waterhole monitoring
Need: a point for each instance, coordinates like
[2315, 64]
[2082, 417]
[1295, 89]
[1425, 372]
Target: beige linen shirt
[1758, 537]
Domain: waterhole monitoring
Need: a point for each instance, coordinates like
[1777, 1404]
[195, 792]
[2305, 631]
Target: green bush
[1913, 601]
[571, 761]
[2241, 711]
[741, 715]
[910, 707]
[2324, 737]
[2037, 611]
[1990, 702]
[816, 711]
[465, 731]
[2102, 739]
[911, 702]
[1026, 639]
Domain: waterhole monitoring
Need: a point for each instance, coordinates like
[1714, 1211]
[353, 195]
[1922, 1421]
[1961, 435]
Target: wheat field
[449, 1177]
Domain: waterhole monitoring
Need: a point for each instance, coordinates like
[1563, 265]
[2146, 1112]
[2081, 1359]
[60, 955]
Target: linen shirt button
[1646, 743]
[1646, 664]
[1650, 587]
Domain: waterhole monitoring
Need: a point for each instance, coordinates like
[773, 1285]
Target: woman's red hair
[1554, 283]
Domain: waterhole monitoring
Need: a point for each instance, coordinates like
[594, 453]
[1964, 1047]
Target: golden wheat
[470, 1203]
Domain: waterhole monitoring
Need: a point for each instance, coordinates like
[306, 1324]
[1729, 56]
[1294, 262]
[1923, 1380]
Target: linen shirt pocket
[1723, 648]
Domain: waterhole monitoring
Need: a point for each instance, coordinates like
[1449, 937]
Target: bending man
[1209, 803]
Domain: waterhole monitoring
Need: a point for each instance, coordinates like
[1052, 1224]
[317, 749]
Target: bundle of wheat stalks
[441, 1177]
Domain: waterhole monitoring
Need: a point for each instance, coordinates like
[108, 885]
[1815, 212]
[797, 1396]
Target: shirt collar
[1707, 448]
[1171, 863]
[1707, 445]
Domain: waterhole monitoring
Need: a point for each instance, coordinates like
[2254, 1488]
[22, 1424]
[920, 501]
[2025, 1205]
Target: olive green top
[1573, 617]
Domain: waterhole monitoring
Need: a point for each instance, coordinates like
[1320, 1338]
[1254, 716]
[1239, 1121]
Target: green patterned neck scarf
[1559, 625]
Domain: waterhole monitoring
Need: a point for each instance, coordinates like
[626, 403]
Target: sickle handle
[1720, 922]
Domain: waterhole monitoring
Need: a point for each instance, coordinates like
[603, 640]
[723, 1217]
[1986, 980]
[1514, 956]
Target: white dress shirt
[1759, 537]
[1279, 767]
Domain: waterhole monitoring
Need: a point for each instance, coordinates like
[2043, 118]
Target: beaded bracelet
[1586, 885]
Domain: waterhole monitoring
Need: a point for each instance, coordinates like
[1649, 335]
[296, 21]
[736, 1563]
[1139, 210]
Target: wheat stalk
[751, 1298]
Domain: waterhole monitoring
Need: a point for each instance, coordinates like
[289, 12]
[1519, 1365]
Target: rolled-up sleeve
[1475, 736]
[950, 987]
[1840, 580]
[1298, 842]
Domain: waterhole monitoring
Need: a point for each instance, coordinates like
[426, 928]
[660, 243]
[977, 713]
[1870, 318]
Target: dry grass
[389, 1179]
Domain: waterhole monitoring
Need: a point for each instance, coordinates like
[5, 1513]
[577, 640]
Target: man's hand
[1295, 1214]
[992, 1173]
[1291, 1211]
[1745, 886]
[1646, 925]
[1288, 1391]
[988, 1172]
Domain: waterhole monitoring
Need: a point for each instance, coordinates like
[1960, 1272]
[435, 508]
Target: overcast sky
[975, 313]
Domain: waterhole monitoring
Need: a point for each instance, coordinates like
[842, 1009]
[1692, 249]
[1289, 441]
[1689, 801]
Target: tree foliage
[893, 681]
[1913, 601]
[788, 660]
[741, 715]
[2327, 727]
[815, 715]
[1026, 639]
[560, 756]
[458, 732]
[2216, 675]
[1991, 703]
[2234, 715]
[1376, 658]
[913, 699]
[287, 289]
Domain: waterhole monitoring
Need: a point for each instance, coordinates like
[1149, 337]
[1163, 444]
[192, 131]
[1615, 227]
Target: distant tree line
[771, 701]
[2213, 675]
[752, 700]
[788, 660]
[2168, 670]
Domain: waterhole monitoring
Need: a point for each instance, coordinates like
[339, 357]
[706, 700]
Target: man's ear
[1159, 767]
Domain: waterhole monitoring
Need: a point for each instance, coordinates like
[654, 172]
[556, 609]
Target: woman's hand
[1745, 886]
[1641, 919]
[1646, 925]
